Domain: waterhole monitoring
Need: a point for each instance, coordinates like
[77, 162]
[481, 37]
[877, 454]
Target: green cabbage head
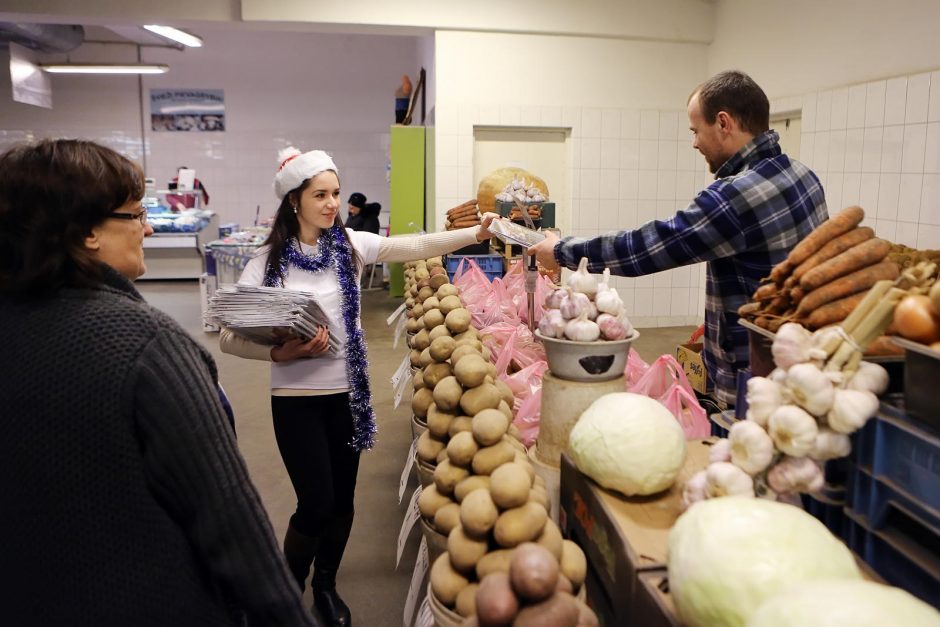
[728, 555]
[629, 443]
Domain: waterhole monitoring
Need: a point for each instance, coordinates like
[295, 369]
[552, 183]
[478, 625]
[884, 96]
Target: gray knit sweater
[123, 497]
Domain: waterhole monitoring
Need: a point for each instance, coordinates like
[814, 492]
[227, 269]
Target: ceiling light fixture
[104, 68]
[175, 34]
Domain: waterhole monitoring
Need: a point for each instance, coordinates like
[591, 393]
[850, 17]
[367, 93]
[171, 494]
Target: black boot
[325, 598]
[299, 551]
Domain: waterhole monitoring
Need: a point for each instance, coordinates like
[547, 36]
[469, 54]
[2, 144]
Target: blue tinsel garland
[335, 252]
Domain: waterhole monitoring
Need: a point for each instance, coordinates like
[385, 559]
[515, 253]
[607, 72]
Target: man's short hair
[737, 94]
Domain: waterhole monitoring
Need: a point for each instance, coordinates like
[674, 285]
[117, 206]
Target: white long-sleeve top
[327, 373]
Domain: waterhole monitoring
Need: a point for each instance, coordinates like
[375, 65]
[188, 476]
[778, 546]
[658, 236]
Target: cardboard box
[621, 536]
[690, 356]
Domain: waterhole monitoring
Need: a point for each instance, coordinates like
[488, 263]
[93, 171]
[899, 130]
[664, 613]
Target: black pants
[313, 435]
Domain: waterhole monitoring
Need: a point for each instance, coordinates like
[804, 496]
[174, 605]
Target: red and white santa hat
[295, 167]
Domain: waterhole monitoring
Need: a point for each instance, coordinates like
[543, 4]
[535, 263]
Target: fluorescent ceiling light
[175, 34]
[106, 68]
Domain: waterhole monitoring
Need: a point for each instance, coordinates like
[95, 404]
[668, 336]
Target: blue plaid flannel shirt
[761, 204]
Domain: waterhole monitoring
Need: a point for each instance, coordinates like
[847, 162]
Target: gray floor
[368, 580]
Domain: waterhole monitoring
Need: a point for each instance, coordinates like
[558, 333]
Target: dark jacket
[123, 497]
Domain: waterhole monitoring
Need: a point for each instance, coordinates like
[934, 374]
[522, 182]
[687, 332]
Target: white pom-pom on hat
[295, 167]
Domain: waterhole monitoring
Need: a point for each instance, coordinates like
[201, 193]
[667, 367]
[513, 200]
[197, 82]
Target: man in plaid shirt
[761, 204]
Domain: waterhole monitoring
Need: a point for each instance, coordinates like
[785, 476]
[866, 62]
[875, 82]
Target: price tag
[399, 331]
[402, 387]
[395, 314]
[403, 368]
[406, 473]
[425, 617]
[417, 578]
[408, 524]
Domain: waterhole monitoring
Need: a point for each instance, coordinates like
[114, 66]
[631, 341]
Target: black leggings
[313, 435]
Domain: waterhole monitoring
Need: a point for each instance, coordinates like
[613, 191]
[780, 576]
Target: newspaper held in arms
[269, 315]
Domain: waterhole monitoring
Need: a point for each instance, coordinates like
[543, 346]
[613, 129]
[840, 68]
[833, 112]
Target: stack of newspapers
[268, 315]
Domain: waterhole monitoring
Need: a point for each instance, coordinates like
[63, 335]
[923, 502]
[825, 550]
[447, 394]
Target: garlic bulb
[628, 328]
[583, 281]
[552, 324]
[611, 327]
[830, 444]
[791, 345]
[778, 375]
[851, 409]
[695, 490]
[604, 284]
[810, 388]
[726, 479]
[574, 303]
[752, 449]
[720, 451]
[554, 299]
[763, 397]
[793, 430]
[869, 377]
[796, 474]
[609, 302]
[581, 329]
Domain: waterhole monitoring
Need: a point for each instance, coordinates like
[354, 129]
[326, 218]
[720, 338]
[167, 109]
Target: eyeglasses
[141, 215]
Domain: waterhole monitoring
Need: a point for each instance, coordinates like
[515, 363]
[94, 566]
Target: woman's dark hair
[287, 226]
[738, 94]
[52, 193]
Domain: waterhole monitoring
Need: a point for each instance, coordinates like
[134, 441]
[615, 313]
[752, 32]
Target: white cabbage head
[840, 603]
[727, 555]
[629, 443]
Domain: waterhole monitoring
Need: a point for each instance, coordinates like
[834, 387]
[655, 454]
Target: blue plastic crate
[902, 455]
[899, 555]
[882, 503]
[829, 507]
[721, 423]
[491, 265]
[740, 398]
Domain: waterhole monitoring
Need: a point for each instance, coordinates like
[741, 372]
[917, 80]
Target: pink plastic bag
[528, 418]
[635, 369]
[691, 416]
[662, 374]
[666, 382]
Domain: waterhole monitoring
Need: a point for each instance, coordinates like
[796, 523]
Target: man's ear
[725, 121]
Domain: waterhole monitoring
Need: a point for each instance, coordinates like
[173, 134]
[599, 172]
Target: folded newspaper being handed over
[268, 315]
[511, 233]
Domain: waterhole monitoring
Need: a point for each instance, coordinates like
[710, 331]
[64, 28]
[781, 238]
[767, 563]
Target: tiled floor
[369, 580]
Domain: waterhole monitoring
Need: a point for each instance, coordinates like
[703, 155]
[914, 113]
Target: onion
[916, 320]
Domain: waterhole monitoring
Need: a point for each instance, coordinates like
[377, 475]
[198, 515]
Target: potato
[478, 513]
[418, 380]
[447, 517]
[505, 392]
[442, 346]
[461, 448]
[475, 343]
[434, 262]
[489, 425]
[564, 585]
[488, 356]
[558, 610]
[433, 373]
[540, 495]
[471, 332]
[446, 583]
[470, 370]
[425, 293]
[415, 358]
[573, 563]
[447, 393]
[468, 485]
[418, 311]
[510, 485]
[494, 562]
[440, 331]
[520, 524]
[466, 600]
[533, 572]
[411, 326]
[439, 422]
[586, 616]
[459, 424]
[430, 501]
[438, 280]
[496, 603]
[447, 476]
[420, 402]
[551, 539]
[442, 455]
[458, 320]
[516, 444]
[428, 447]
[482, 397]
[492, 457]
[433, 318]
[431, 303]
[421, 340]
[448, 304]
[421, 273]
[461, 351]
[425, 360]
[465, 550]
[446, 290]
[513, 431]
[503, 407]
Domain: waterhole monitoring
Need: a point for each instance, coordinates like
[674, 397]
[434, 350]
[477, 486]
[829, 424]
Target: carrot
[775, 324]
[766, 291]
[835, 247]
[790, 282]
[858, 281]
[762, 321]
[748, 309]
[780, 303]
[832, 313]
[780, 272]
[832, 228]
[867, 253]
[796, 295]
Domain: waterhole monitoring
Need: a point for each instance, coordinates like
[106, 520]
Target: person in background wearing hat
[320, 401]
[354, 206]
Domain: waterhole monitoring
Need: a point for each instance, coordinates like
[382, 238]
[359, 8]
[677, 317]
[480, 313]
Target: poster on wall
[187, 109]
[30, 84]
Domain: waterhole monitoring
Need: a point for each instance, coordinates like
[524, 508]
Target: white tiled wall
[877, 145]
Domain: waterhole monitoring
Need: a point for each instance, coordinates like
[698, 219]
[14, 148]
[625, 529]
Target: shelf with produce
[179, 255]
